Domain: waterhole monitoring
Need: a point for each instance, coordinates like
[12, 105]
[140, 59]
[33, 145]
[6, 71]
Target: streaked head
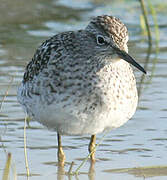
[112, 37]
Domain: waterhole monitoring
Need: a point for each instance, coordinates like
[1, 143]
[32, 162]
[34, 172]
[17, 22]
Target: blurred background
[136, 150]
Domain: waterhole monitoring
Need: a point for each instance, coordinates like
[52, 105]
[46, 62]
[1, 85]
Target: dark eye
[100, 40]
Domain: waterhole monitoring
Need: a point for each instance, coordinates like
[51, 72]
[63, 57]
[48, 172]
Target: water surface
[136, 150]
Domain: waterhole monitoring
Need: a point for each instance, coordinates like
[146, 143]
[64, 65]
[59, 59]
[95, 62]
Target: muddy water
[136, 150]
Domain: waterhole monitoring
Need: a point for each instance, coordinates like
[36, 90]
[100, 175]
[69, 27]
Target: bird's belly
[72, 121]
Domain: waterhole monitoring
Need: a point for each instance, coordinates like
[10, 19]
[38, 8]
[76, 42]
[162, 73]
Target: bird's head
[111, 37]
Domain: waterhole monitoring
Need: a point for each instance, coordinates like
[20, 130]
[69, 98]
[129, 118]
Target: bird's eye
[100, 40]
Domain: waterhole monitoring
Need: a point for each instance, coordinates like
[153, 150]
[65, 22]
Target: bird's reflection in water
[61, 173]
[91, 173]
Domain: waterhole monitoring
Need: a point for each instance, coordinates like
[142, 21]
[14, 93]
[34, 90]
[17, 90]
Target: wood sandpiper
[81, 82]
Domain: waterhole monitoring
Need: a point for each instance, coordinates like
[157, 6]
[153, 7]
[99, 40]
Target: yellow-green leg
[60, 153]
[92, 147]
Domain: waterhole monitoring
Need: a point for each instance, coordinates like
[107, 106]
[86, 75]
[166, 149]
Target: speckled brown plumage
[81, 82]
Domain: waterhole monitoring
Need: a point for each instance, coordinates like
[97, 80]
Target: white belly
[70, 120]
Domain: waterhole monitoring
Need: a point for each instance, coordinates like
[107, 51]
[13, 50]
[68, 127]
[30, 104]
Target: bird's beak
[125, 56]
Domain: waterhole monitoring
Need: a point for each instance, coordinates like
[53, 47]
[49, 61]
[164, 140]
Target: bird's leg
[60, 153]
[92, 147]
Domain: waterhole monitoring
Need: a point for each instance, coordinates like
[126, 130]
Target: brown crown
[113, 27]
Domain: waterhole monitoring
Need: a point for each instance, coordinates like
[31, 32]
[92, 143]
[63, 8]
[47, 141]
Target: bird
[82, 82]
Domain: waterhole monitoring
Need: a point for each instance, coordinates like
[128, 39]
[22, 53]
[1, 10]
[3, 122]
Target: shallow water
[136, 150]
